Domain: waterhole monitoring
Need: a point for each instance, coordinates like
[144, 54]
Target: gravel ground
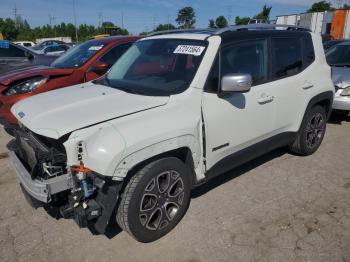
[279, 207]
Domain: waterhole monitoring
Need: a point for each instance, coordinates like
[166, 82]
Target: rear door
[236, 121]
[290, 84]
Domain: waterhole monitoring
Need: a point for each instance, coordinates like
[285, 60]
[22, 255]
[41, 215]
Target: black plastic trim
[325, 96]
[250, 153]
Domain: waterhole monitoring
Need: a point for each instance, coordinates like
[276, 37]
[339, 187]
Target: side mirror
[236, 83]
[29, 55]
[100, 67]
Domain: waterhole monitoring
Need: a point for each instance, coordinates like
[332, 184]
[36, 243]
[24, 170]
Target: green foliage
[212, 23]
[8, 28]
[186, 18]
[242, 21]
[221, 22]
[264, 14]
[320, 7]
[165, 27]
[21, 30]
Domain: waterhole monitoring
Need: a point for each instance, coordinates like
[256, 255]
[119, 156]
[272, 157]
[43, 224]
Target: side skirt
[245, 155]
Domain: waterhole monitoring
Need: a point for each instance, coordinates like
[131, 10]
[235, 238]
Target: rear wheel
[311, 133]
[155, 200]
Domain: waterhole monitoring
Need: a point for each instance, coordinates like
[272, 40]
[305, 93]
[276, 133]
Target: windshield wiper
[128, 90]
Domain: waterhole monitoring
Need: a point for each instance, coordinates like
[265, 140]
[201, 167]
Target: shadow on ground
[338, 118]
[226, 177]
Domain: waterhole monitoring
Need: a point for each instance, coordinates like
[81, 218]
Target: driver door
[235, 121]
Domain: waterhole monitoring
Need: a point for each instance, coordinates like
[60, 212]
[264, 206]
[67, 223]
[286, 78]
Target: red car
[82, 63]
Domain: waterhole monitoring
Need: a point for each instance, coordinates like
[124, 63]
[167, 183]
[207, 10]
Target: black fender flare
[325, 99]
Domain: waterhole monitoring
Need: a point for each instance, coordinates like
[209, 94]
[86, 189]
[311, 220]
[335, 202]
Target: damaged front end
[75, 191]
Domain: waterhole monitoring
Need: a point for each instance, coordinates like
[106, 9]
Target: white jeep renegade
[175, 110]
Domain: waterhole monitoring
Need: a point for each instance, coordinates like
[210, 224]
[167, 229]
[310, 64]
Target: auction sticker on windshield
[189, 50]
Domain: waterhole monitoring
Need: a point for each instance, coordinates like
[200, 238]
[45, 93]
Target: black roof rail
[233, 28]
[261, 27]
[184, 31]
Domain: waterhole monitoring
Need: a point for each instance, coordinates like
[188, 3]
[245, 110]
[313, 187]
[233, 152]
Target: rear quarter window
[308, 50]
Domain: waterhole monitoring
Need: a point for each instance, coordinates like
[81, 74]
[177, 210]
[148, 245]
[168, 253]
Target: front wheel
[155, 199]
[311, 133]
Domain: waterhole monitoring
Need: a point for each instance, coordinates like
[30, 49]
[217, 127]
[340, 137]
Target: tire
[155, 200]
[311, 133]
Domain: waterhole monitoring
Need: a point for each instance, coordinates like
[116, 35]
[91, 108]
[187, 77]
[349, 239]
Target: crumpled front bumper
[41, 190]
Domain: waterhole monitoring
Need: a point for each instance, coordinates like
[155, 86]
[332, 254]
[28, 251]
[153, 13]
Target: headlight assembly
[345, 92]
[27, 86]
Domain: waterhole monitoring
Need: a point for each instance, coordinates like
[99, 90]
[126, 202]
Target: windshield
[157, 67]
[78, 55]
[338, 55]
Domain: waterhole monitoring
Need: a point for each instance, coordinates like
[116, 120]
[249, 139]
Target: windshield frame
[72, 49]
[130, 86]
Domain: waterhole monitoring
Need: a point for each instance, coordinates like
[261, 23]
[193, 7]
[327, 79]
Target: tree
[346, 6]
[212, 23]
[9, 29]
[186, 18]
[320, 7]
[165, 27]
[221, 22]
[242, 21]
[264, 14]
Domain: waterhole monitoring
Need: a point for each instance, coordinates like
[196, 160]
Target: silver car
[338, 57]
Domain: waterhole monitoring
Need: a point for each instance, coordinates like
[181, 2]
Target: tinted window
[338, 55]
[247, 58]
[114, 54]
[212, 83]
[50, 49]
[78, 55]
[309, 52]
[61, 48]
[12, 51]
[287, 57]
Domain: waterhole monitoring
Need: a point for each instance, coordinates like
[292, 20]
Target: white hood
[59, 112]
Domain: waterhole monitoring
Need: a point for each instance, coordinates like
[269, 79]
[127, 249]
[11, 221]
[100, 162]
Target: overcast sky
[142, 15]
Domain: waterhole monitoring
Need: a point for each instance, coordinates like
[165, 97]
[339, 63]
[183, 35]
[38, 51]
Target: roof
[220, 31]
[111, 39]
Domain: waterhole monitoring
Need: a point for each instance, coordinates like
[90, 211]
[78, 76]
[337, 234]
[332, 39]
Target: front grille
[43, 157]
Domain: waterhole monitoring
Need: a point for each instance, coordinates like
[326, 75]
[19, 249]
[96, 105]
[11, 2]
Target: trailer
[288, 19]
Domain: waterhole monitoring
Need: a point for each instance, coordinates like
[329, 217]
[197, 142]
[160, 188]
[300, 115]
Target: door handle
[264, 99]
[307, 85]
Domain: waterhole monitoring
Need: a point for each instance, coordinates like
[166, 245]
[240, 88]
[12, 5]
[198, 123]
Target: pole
[75, 22]
[122, 19]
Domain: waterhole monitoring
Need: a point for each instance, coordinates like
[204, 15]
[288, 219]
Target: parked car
[55, 50]
[331, 43]
[41, 45]
[25, 43]
[173, 112]
[14, 56]
[80, 64]
[338, 57]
